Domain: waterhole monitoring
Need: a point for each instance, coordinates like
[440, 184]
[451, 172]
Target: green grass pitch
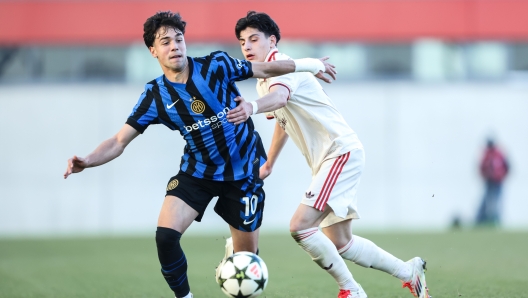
[479, 263]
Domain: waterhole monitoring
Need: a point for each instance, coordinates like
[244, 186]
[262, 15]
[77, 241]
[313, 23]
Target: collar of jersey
[270, 57]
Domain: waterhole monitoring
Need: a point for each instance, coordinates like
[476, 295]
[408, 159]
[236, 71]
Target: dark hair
[165, 19]
[259, 21]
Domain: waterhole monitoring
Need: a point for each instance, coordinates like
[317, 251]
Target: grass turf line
[479, 263]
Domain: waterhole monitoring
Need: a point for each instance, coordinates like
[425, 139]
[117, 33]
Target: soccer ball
[243, 275]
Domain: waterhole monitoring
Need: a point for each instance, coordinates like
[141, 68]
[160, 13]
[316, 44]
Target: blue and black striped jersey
[215, 148]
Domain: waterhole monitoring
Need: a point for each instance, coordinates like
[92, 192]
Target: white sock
[324, 253]
[190, 295]
[367, 254]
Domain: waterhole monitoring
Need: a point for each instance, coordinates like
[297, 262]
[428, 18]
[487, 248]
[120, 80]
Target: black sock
[172, 260]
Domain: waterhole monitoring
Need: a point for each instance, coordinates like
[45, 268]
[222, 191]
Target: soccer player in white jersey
[321, 224]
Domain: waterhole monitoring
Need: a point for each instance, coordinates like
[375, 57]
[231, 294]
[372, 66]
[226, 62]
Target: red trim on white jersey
[284, 85]
[269, 117]
[272, 55]
[330, 181]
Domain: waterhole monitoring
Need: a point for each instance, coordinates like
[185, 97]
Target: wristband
[255, 107]
[309, 65]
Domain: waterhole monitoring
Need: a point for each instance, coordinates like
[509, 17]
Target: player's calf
[173, 261]
[324, 253]
[367, 254]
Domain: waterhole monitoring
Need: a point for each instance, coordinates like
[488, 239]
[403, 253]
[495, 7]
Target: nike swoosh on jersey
[248, 222]
[168, 107]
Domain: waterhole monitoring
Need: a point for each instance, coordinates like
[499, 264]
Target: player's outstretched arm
[276, 99]
[278, 141]
[104, 153]
[277, 68]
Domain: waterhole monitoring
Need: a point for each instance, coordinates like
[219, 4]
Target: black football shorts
[240, 203]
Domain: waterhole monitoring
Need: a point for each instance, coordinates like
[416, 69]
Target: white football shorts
[335, 185]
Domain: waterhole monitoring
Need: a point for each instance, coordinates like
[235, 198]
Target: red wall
[121, 21]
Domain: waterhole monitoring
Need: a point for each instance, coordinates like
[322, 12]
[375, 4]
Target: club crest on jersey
[197, 106]
[172, 185]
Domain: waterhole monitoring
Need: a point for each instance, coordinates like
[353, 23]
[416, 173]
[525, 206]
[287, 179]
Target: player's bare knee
[294, 225]
[307, 220]
[299, 224]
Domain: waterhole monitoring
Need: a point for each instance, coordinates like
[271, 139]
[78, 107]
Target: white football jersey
[309, 118]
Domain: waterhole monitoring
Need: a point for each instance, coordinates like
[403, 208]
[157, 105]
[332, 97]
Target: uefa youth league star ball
[243, 275]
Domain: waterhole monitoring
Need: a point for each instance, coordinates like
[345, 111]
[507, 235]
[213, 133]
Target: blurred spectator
[493, 168]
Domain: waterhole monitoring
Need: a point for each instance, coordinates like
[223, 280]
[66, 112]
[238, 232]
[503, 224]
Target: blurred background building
[422, 82]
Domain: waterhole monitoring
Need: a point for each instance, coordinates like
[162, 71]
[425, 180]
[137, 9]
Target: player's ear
[273, 41]
[153, 52]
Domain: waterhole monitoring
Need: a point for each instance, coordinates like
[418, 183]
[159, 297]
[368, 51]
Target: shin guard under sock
[367, 254]
[172, 260]
[324, 253]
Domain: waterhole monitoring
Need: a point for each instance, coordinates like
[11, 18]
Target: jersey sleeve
[144, 113]
[289, 81]
[234, 69]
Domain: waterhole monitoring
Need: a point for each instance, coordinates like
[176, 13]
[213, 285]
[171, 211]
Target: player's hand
[241, 113]
[75, 165]
[329, 69]
[264, 171]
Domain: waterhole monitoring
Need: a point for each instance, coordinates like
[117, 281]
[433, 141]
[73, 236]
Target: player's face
[254, 44]
[170, 49]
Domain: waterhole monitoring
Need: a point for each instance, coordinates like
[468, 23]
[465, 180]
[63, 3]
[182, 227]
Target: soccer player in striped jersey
[220, 158]
[322, 223]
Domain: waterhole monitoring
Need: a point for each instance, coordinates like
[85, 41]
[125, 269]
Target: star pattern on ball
[240, 274]
[261, 283]
[251, 273]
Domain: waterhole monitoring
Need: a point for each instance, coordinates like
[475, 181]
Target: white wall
[420, 141]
